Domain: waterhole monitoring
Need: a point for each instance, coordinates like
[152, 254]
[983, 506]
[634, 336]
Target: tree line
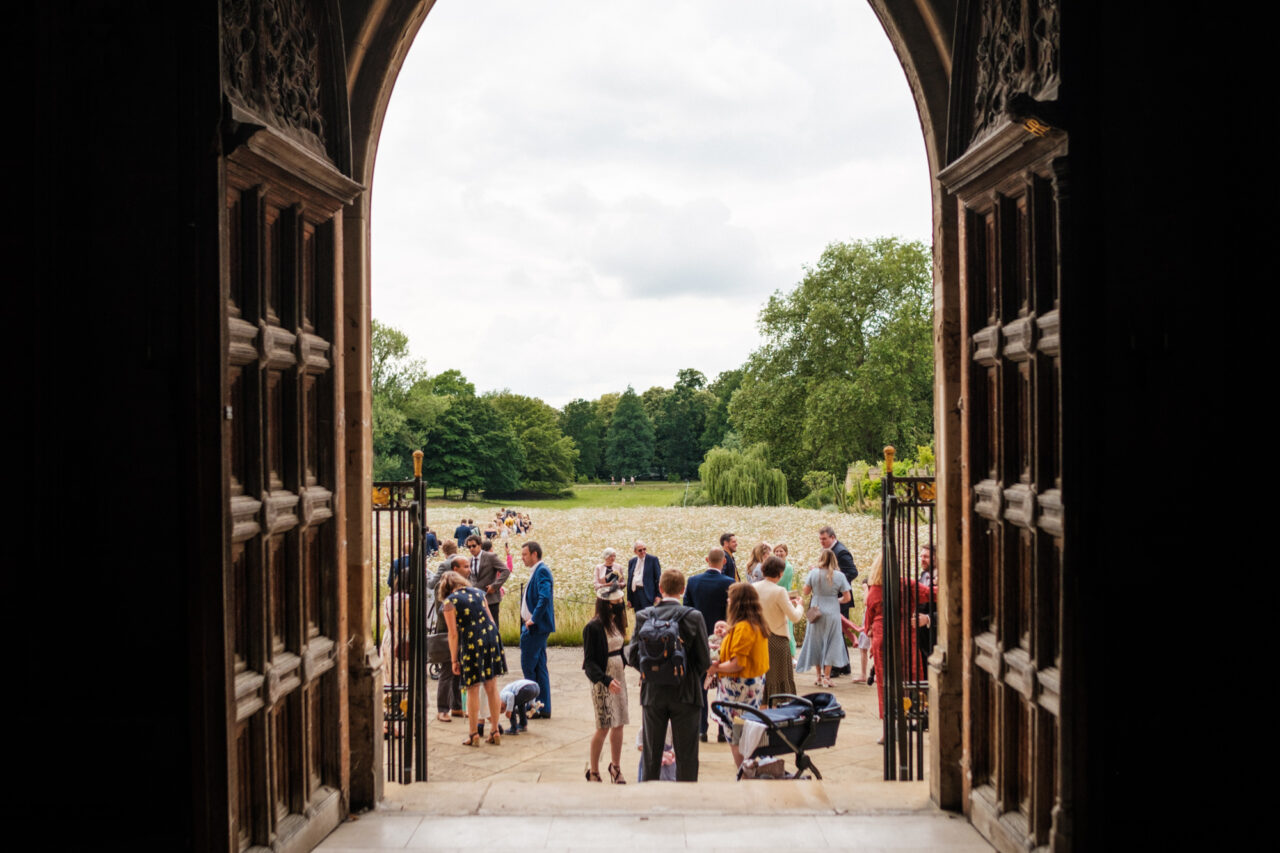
[846, 366]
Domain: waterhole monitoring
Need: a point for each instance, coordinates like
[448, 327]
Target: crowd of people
[716, 631]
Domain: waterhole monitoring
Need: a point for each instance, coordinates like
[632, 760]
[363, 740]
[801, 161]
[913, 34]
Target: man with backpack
[669, 649]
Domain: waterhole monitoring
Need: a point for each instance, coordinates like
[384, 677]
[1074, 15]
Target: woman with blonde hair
[782, 552]
[744, 653]
[759, 554]
[823, 640]
[475, 649]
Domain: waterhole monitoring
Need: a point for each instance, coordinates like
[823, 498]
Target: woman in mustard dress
[475, 649]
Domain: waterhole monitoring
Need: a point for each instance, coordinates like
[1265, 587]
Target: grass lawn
[641, 494]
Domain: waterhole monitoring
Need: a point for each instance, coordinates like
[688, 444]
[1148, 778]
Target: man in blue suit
[537, 612]
[643, 571]
[708, 593]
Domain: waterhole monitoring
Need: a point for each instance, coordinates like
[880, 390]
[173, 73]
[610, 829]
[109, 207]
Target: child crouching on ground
[516, 699]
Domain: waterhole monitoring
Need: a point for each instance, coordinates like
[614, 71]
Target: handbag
[813, 614]
[438, 648]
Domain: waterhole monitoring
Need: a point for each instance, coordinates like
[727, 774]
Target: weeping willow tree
[742, 478]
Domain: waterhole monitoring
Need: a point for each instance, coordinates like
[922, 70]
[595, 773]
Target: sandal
[615, 774]
[444, 718]
[593, 776]
[495, 738]
[474, 740]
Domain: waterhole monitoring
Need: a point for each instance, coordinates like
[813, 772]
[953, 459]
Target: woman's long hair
[759, 554]
[744, 606]
[609, 617]
[828, 563]
[876, 576]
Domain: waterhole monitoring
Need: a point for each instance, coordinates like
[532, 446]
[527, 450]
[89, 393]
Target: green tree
[549, 455]
[847, 364]
[683, 418]
[717, 421]
[629, 444]
[742, 478]
[449, 460]
[497, 454]
[392, 372]
[398, 423]
[580, 421]
[451, 383]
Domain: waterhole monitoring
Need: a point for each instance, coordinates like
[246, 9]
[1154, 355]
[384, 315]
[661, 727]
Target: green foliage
[549, 455]
[581, 421]
[680, 423]
[847, 363]
[717, 420]
[450, 448]
[742, 478]
[392, 372]
[400, 420]
[630, 441]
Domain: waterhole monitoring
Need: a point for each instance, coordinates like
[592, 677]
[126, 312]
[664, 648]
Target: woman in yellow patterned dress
[474, 647]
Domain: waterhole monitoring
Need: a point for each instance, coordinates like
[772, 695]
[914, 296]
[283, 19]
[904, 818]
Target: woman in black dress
[474, 648]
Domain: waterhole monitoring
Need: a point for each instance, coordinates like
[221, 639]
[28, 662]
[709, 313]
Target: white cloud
[569, 194]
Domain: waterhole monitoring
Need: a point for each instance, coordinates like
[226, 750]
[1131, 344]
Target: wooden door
[284, 178]
[283, 580]
[1010, 179]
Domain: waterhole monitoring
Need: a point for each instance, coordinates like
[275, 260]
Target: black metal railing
[400, 621]
[908, 529]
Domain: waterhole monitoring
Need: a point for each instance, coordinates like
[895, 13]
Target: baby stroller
[792, 724]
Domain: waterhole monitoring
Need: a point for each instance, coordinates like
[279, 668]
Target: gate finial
[888, 459]
[417, 463]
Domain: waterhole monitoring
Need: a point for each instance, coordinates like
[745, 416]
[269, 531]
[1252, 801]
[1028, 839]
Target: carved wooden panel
[282, 578]
[1013, 461]
[273, 66]
[1015, 54]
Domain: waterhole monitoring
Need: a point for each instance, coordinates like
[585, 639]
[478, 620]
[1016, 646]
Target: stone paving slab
[529, 792]
[555, 750]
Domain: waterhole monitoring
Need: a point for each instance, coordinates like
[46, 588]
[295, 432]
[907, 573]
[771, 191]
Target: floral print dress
[479, 652]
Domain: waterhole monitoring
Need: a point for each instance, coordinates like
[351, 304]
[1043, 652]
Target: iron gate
[908, 520]
[400, 623]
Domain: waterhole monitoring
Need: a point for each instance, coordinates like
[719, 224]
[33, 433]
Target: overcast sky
[573, 196]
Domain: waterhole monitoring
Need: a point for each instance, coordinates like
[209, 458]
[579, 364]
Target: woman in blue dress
[823, 640]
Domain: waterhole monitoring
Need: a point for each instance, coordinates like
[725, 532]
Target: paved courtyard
[530, 792]
[555, 750]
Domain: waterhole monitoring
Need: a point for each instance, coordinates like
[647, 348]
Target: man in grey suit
[678, 704]
[488, 572]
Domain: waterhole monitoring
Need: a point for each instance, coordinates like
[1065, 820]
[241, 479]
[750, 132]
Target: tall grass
[572, 615]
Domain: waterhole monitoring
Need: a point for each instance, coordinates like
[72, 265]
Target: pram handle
[721, 708]
[792, 699]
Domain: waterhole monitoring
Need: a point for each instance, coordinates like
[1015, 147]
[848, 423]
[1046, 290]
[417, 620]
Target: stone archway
[378, 39]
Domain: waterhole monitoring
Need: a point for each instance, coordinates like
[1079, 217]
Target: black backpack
[661, 648]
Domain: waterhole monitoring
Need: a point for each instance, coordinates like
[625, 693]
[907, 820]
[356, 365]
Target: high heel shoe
[593, 776]
[473, 740]
[495, 738]
[615, 774]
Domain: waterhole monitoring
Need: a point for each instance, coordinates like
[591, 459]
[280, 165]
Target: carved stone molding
[272, 65]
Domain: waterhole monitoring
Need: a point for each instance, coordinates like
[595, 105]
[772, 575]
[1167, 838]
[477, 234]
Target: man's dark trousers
[684, 737]
[533, 663]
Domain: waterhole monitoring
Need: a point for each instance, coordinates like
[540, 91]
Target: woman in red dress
[873, 623]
